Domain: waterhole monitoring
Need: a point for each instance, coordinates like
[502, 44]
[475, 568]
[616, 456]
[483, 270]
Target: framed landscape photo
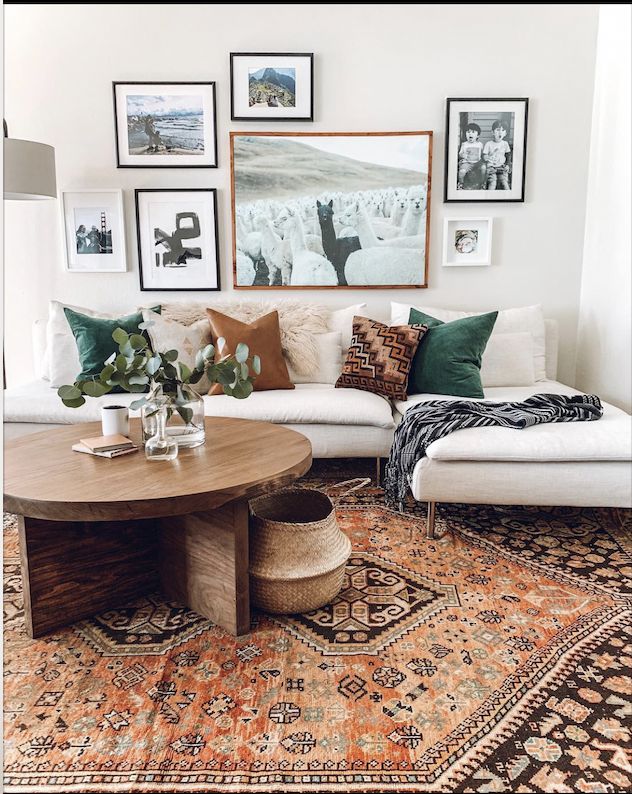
[486, 149]
[177, 239]
[272, 86]
[165, 125]
[330, 210]
[467, 242]
[94, 231]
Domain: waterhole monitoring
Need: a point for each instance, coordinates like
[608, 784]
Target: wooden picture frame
[327, 204]
[188, 213]
[185, 136]
[481, 165]
[292, 73]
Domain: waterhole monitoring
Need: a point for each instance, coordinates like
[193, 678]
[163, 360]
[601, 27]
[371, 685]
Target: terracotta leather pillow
[263, 338]
[380, 357]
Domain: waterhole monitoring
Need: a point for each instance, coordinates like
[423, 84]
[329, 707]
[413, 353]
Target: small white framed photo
[94, 231]
[467, 241]
[177, 239]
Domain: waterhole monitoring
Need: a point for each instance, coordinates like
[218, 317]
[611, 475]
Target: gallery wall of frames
[322, 210]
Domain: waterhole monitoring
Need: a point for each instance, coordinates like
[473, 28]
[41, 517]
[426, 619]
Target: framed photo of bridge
[165, 125]
[177, 239]
[272, 86]
[94, 231]
[330, 210]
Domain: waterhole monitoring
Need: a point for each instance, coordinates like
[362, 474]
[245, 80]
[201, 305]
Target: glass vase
[184, 416]
[160, 446]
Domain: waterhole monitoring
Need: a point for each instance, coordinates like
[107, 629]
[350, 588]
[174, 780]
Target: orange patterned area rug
[493, 659]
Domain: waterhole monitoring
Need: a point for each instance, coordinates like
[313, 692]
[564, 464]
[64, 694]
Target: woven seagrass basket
[297, 551]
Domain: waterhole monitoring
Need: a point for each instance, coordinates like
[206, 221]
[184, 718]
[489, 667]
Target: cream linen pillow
[341, 321]
[61, 346]
[186, 339]
[329, 349]
[508, 360]
[527, 319]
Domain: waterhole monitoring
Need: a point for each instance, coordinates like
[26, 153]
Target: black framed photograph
[486, 149]
[178, 246]
[272, 86]
[165, 125]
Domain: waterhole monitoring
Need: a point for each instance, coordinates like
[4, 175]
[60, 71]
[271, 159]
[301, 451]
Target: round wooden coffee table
[95, 532]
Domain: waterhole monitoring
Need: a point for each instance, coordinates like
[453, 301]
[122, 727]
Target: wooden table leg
[71, 570]
[204, 564]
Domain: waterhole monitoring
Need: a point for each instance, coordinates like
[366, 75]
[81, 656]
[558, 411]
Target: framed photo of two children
[486, 148]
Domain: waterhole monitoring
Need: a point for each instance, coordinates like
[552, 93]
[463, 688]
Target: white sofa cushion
[341, 320]
[608, 438]
[329, 351]
[509, 321]
[309, 403]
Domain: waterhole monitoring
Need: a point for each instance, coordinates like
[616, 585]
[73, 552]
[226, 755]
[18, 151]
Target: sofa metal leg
[430, 521]
[378, 471]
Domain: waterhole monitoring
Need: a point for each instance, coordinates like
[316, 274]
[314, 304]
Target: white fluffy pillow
[186, 339]
[329, 350]
[508, 360]
[527, 319]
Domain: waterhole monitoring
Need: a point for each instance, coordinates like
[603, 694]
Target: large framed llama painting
[330, 210]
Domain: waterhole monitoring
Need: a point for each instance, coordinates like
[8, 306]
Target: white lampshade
[29, 170]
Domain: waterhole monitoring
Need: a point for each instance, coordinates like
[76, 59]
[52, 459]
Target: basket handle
[361, 482]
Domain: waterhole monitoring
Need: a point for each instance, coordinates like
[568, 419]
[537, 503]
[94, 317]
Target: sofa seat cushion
[609, 438]
[309, 403]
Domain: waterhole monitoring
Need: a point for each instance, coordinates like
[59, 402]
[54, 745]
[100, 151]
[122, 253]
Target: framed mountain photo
[272, 86]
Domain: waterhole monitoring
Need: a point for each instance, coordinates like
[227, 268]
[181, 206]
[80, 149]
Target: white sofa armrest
[40, 353]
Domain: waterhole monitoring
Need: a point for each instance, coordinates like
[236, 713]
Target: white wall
[377, 67]
[604, 357]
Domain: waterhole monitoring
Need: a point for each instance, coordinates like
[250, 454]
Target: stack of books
[106, 446]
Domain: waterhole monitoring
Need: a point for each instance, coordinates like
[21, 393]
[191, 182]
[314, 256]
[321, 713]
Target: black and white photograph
[330, 210]
[94, 231]
[467, 242]
[271, 86]
[485, 149]
[165, 124]
[177, 239]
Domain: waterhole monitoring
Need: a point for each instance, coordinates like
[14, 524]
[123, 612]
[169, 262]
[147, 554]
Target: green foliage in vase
[136, 366]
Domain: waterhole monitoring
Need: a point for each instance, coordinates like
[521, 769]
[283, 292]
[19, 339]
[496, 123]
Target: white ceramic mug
[115, 419]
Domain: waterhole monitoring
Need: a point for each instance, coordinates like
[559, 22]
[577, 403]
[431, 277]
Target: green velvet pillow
[93, 336]
[448, 359]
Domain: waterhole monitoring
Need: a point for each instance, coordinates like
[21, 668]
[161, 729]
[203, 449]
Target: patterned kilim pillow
[380, 357]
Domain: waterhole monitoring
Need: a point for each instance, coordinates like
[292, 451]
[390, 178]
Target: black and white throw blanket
[428, 421]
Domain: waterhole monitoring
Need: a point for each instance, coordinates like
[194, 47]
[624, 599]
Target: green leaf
[136, 404]
[196, 376]
[138, 342]
[170, 371]
[185, 413]
[171, 355]
[137, 362]
[256, 365]
[69, 393]
[126, 350]
[225, 377]
[242, 352]
[199, 360]
[221, 342]
[209, 350]
[95, 389]
[242, 389]
[185, 372]
[138, 378]
[153, 365]
[106, 372]
[116, 378]
[120, 336]
[244, 371]
[74, 403]
[120, 362]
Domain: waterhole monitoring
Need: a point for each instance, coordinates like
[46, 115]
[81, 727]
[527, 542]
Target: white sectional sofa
[570, 464]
